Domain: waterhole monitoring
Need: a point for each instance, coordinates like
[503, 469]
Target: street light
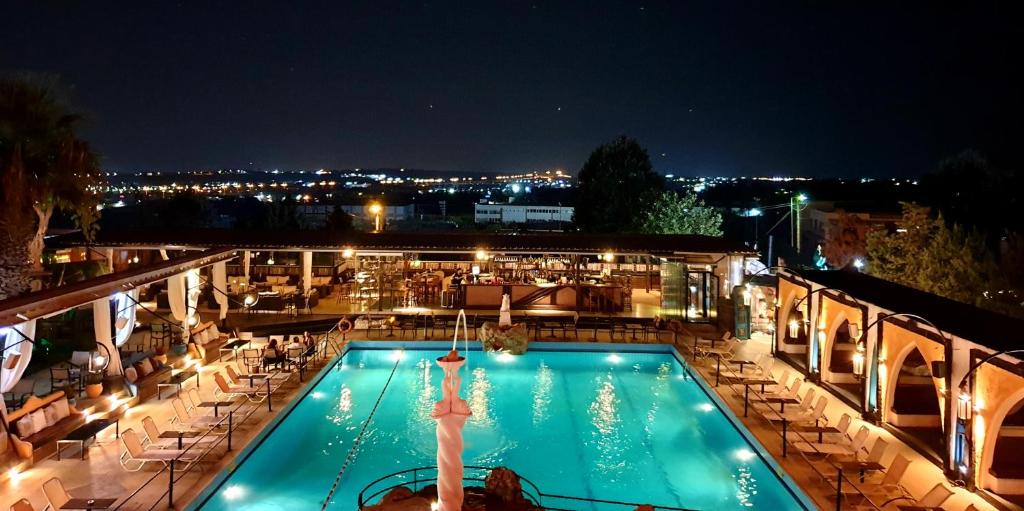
[375, 210]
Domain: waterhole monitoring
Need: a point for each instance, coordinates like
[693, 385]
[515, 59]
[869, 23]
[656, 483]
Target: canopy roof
[563, 243]
[40, 304]
[980, 326]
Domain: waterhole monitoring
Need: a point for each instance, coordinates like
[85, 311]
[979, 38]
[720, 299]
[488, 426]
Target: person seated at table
[296, 343]
[309, 342]
[272, 354]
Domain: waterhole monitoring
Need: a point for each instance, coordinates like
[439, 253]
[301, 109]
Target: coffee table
[85, 432]
[88, 504]
[215, 405]
[180, 434]
[176, 381]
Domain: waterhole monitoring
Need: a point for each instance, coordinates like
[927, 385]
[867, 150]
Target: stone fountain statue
[504, 336]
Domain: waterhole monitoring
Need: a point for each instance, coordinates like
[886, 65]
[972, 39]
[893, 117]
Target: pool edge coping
[211, 488]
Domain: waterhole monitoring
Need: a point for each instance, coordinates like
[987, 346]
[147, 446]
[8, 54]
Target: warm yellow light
[608, 257]
[347, 253]
[375, 208]
[481, 255]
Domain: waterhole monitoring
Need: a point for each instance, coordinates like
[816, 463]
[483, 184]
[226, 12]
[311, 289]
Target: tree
[338, 220]
[672, 213]
[615, 186]
[926, 254]
[845, 240]
[45, 168]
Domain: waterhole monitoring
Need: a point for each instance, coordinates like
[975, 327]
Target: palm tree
[44, 167]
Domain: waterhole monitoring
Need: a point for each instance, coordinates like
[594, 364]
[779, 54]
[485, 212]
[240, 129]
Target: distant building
[315, 215]
[520, 214]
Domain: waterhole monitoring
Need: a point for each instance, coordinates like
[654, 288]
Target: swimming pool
[614, 425]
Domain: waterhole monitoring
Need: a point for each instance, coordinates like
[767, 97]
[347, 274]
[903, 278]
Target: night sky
[719, 88]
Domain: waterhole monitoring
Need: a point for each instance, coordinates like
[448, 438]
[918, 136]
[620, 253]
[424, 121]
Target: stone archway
[998, 394]
[913, 401]
[784, 342]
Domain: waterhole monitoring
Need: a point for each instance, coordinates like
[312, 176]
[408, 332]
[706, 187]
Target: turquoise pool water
[614, 426]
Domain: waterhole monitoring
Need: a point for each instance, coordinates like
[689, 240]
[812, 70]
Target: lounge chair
[227, 392]
[805, 415]
[873, 456]
[152, 438]
[183, 417]
[55, 493]
[890, 486]
[22, 505]
[725, 352]
[935, 497]
[134, 452]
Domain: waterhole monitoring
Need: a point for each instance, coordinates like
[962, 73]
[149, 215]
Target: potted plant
[93, 384]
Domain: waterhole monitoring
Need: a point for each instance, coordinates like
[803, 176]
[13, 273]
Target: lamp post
[375, 210]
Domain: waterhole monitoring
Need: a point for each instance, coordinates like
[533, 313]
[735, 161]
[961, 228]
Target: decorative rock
[400, 493]
[503, 483]
[513, 340]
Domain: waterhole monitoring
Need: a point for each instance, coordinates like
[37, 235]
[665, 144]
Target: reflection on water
[542, 393]
[746, 486]
[612, 445]
[660, 385]
[479, 399]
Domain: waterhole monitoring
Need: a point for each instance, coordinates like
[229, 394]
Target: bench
[60, 418]
[208, 339]
[144, 386]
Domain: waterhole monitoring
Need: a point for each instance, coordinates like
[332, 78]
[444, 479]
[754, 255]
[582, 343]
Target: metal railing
[422, 476]
[239, 415]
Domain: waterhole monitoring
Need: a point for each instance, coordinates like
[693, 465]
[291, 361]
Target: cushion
[131, 375]
[52, 415]
[25, 427]
[63, 410]
[214, 332]
[38, 420]
[146, 367]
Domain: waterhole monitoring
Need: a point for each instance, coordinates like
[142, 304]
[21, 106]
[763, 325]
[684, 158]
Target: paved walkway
[919, 479]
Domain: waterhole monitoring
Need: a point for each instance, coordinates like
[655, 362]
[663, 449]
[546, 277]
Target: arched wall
[790, 293]
[897, 344]
[996, 392]
[833, 313]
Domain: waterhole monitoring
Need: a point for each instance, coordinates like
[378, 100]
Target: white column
[450, 413]
[246, 257]
[307, 270]
[110, 260]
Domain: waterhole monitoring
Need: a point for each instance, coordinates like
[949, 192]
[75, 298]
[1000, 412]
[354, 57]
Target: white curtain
[104, 337]
[245, 264]
[220, 284]
[9, 376]
[307, 271]
[124, 304]
[192, 293]
[176, 297]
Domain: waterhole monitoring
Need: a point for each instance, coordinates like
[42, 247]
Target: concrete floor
[919, 479]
